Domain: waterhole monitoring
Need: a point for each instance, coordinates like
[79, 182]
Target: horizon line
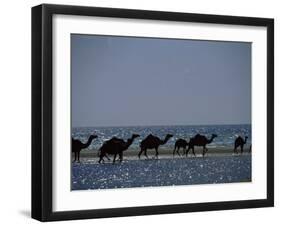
[226, 124]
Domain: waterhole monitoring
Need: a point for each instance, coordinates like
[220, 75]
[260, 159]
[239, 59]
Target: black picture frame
[42, 111]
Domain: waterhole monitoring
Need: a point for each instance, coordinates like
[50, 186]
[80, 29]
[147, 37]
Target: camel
[200, 140]
[239, 141]
[180, 143]
[77, 146]
[152, 142]
[115, 146]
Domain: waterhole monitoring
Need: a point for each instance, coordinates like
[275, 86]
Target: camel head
[93, 137]
[135, 136]
[168, 136]
[214, 135]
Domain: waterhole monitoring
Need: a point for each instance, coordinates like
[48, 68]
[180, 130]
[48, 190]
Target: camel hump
[150, 137]
[238, 140]
[116, 140]
[198, 135]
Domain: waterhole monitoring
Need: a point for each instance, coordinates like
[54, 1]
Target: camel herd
[116, 146]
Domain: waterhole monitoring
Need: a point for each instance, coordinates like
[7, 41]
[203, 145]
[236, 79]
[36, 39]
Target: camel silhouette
[199, 140]
[77, 146]
[152, 142]
[239, 141]
[115, 146]
[180, 143]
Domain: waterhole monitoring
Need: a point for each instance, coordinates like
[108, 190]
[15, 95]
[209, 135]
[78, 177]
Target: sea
[226, 134]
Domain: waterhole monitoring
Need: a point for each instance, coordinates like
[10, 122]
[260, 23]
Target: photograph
[151, 112]
[145, 112]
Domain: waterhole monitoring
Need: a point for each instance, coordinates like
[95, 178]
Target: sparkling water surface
[163, 172]
[166, 171]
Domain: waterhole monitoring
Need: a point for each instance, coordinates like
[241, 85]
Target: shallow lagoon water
[162, 172]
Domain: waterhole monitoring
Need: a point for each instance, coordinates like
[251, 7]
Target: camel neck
[165, 140]
[88, 142]
[211, 140]
[129, 142]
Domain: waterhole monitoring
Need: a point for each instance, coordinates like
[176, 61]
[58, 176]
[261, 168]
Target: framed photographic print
[145, 112]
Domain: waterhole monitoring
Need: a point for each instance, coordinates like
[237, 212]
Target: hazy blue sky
[149, 81]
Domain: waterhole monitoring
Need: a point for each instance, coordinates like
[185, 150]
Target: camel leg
[235, 149]
[121, 157]
[183, 152]
[101, 157]
[107, 157]
[206, 150]
[156, 155]
[114, 158]
[203, 152]
[179, 152]
[193, 152]
[74, 157]
[139, 155]
[242, 147]
[186, 152]
[145, 153]
[78, 154]
[174, 151]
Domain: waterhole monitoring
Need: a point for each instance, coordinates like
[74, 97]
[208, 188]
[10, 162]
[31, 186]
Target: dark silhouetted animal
[152, 142]
[199, 140]
[239, 141]
[115, 146]
[77, 146]
[180, 143]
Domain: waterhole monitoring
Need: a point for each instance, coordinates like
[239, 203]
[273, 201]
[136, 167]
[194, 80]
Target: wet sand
[163, 153]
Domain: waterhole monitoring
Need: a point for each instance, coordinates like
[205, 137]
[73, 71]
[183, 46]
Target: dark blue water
[164, 172]
[226, 134]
